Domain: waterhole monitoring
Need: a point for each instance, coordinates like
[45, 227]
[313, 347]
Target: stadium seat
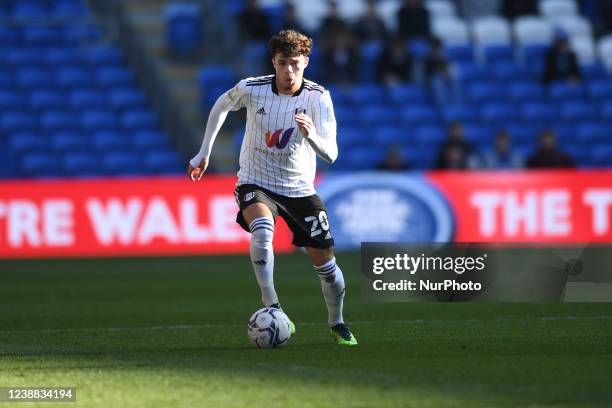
[440, 8]
[183, 27]
[574, 26]
[126, 98]
[139, 119]
[69, 9]
[479, 134]
[122, 163]
[519, 91]
[593, 71]
[499, 113]
[41, 165]
[362, 94]
[509, 71]
[17, 121]
[491, 30]
[152, 139]
[73, 76]
[216, 74]
[558, 8]
[452, 31]
[46, 100]
[28, 142]
[70, 141]
[407, 93]
[377, 115]
[560, 91]
[93, 120]
[55, 57]
[498, 54]
[460, 113]
[389, 135]
[532, 30]
[565, 133]
[584, 47]
[590, 133]
[429, 134]
[113, 76]
[11, 100]
[602, 155]
[59, 120]
[24, 57]
[111, 141]
[469, 71]
[43, 35]
[418, 115]
[600, 89]
[574, 111]
[459, 53]
[484, 91]
[539, 113]
[606, 111]
[82, 34]
[82, 164]
[523, 133]
[87, 98]
[31, 77]
[102, 56]
[163, 162]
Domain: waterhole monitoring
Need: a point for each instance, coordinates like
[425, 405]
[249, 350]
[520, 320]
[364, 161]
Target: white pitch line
[364, 322]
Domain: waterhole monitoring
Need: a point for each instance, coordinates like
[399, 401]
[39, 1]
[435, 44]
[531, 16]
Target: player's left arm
[320, 130]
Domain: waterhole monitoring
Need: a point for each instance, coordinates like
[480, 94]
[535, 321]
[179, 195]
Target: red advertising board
[543, 206]
[123, 217]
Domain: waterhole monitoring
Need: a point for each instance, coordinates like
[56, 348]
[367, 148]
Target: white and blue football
[269, 327]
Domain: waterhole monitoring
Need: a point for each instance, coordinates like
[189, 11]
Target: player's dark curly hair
[290, 43]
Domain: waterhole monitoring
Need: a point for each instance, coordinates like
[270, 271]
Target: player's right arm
[232, 100]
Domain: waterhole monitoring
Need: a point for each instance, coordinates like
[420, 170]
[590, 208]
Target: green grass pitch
[171, 332]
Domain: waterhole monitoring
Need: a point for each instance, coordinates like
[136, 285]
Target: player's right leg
[260, 220]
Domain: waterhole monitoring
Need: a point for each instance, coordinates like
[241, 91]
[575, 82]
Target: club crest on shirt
[279, 138]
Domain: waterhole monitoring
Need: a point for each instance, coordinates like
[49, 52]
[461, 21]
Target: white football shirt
[274, 154]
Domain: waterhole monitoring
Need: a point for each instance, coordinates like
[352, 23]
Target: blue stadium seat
[499, 53]
[70, 141]
[9, 36]
[523, 133]
[79, 34]
[367, 94]
[87, 98]
[578, 111]
[126, 98]
[150, 139]
[216, 75]
[28, 9]
[377, 115]
[594, 71]
[520, 91]
[565, 133]
[508, 71]
[418, 48]
[98, 119]
[59, 120]
[102, 56]
[499, 113]
[459, 53]
[11, 100]
[17, 121]
[469, 71]
[6, 79]
[606, 111]
[43, 35]
[407, 94]
[73, 76]
[590, 133]
[28, 142]
[122, 163]
[41, 165]
[183, 27]
[60, 56]
[387, 135]
[562, 91]
[139, 120]
[107, 76]
[24, 57]
[370, 52]
[429, 134]
[344, 114]
[111, 141]
[46, 99]
[164, 162]
[82, 164]
[602, 155]
[418, 115]
[484, 91]
[539, 113]
[364, 158]
[69, 8]
[460, 113]
[353, 135]
[31, 77]
[479, 134]
[600, 89]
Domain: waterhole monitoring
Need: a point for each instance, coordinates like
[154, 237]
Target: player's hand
[196, 173]
[305, 124]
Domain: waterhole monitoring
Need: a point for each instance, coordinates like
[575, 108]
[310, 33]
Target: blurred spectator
[438, 75]
[332, 24]
[413, 20]
[502, 156]
[512, 9]
[455, 152]
[291, 21]
[254, 22]
[341, 60]
[394, 160]
[548, 155]
[480, 8]
[604, 10]
[371, 26]
[395, 63]
[561, 62]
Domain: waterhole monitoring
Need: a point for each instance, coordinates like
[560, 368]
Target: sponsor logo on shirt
[279, 138]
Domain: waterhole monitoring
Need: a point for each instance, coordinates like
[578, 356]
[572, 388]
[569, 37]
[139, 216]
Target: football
[269, 327]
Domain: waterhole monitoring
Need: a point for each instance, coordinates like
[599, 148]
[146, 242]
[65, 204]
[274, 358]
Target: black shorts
[305, 216]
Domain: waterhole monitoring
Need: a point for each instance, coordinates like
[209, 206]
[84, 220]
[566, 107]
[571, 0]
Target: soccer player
[290, 120]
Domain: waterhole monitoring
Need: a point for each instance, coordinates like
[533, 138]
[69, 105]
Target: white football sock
[332, 284]
[262, 258]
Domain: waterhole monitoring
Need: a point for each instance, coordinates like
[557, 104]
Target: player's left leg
[333, 288]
